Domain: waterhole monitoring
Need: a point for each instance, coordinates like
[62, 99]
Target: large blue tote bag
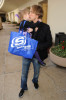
[22, 45]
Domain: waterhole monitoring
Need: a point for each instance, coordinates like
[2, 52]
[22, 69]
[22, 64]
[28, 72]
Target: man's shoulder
[44, 24]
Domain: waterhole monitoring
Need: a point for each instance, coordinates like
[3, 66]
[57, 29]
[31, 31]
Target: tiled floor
[52, 79]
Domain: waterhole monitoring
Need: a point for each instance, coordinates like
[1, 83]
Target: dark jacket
[26, 25]
[43, 35]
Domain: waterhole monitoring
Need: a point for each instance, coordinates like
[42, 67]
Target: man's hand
[36, 29]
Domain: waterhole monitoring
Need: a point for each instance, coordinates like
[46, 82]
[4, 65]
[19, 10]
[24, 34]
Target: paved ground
[52, 79]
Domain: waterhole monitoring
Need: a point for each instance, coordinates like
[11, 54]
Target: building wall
[56, 15]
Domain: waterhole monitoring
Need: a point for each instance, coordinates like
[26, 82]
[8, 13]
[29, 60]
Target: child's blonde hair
[24, 11]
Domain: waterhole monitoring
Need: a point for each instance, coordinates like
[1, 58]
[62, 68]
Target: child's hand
[36, 29]
[29, 30]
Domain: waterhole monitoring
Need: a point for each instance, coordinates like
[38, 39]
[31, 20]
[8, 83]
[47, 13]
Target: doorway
[44, 5]
[3, 17]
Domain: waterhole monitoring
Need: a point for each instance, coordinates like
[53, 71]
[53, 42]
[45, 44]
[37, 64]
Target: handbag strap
[23, 25]
[28, 34]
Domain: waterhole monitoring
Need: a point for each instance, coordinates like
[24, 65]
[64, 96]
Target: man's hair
[38, 10]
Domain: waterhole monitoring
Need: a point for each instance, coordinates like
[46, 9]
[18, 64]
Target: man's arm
[48, 39]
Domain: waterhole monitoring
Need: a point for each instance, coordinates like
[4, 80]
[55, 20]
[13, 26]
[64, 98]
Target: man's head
[36, 12]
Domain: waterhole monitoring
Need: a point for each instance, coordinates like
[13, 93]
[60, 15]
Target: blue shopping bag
[22, 45]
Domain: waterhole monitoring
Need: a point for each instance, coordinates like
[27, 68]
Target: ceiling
[10, 5]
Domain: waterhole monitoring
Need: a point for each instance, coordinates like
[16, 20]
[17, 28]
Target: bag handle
[23, 25]
[28, 35]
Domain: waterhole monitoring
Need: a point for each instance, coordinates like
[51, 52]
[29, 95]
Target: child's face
[26, 16]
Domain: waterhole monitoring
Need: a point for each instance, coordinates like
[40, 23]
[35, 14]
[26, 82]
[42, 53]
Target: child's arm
[24, 26]
[29, 25]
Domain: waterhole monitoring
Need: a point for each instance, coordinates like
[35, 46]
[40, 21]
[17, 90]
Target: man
[43, 35]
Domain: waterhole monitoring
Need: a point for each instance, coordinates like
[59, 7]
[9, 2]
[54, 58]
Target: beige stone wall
[0, 23]
[57, 16]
